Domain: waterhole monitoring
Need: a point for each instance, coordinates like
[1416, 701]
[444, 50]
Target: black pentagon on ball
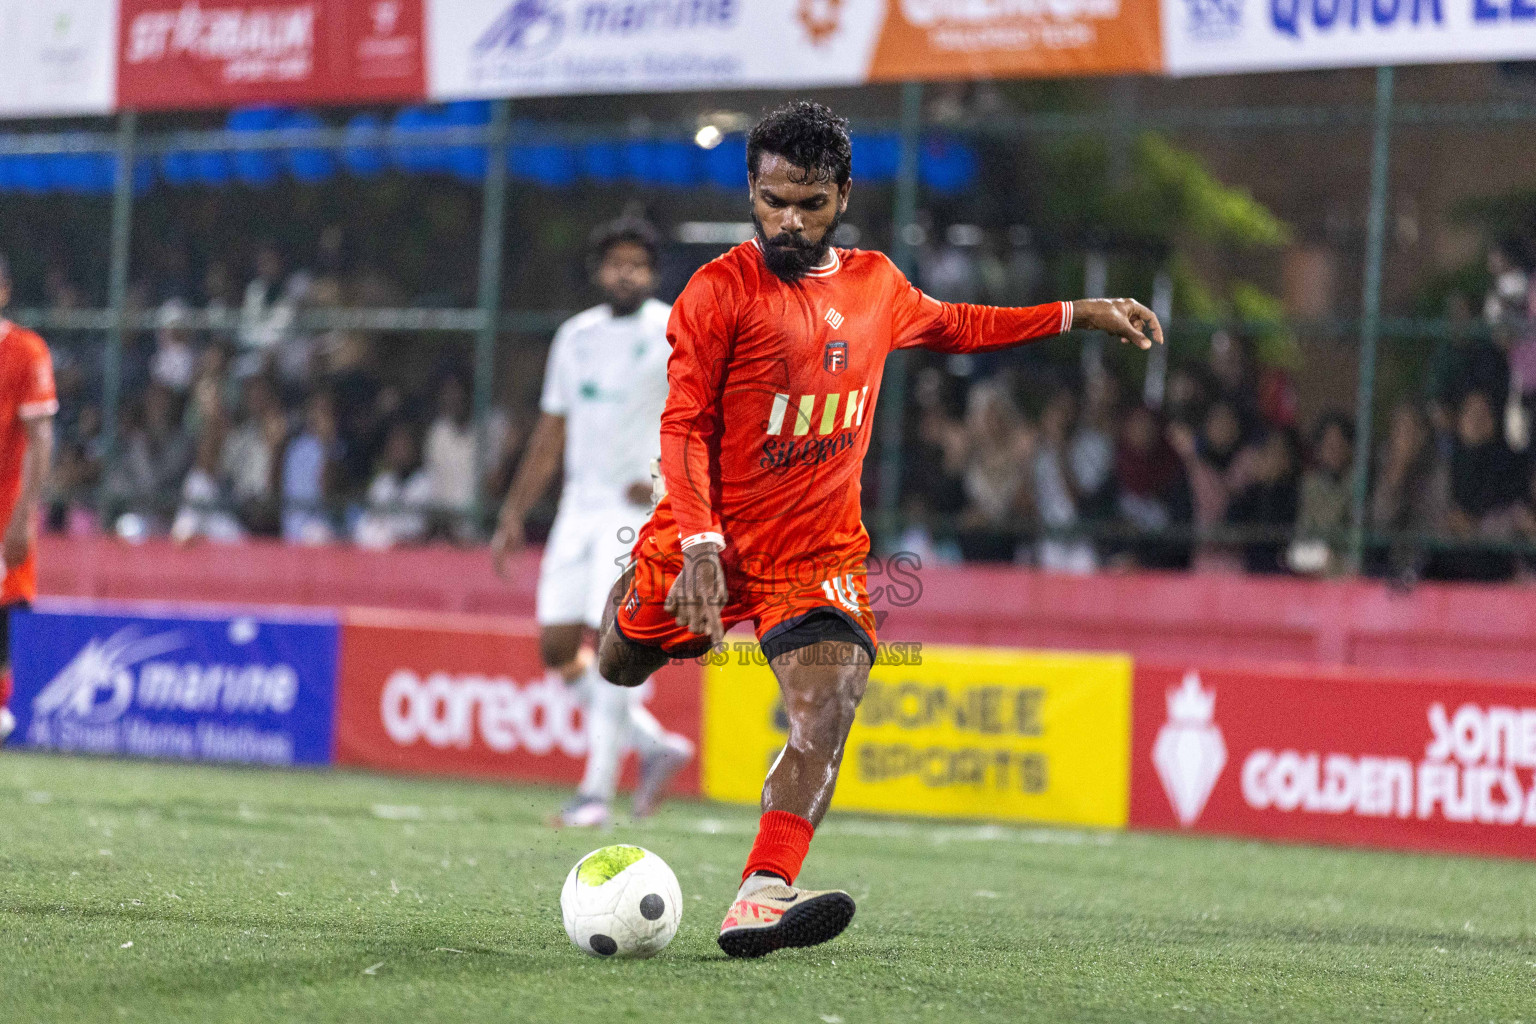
[602, 945]
[651, 907]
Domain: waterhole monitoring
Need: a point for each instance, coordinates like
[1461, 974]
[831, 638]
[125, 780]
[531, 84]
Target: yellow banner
[956, 732]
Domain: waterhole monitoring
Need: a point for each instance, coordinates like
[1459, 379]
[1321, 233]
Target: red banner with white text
[468, 695]
[220, 53]
[1336, 756]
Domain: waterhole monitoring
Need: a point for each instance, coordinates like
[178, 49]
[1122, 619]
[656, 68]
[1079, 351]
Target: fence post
[489, 294]
[117, 281]
[893, 398]
[1370, 327]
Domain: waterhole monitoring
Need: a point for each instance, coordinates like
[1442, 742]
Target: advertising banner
[947, 731]
[536, 47]
[1221, 36]
[207, 53]
[57, 57]
[1338, 756]
[966, 39]
[236, 688]
[461, 695]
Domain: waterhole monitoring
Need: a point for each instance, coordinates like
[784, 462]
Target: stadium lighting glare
[709, 137]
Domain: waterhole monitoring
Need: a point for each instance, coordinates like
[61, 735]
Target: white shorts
[587, 550]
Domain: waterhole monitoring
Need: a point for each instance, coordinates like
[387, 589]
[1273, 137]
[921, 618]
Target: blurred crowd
[261, 428]
[266, 429]
[1213, 469]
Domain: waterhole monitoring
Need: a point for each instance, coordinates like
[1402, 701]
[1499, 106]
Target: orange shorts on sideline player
[773, 597]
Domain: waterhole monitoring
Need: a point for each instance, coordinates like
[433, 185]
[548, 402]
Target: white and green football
[621, 901]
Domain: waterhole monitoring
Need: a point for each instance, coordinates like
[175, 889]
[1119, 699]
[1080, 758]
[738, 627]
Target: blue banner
[217, 688]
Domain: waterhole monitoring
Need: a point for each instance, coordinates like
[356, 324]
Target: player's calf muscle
[821, 697]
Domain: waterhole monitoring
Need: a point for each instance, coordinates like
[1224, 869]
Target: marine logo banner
[250, 688]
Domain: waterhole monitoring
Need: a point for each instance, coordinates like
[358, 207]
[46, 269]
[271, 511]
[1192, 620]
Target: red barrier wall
[1486, 631]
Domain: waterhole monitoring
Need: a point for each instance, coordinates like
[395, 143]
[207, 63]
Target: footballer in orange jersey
[27, 406]
[778, 348]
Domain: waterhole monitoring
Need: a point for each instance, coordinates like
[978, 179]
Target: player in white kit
[604, 388]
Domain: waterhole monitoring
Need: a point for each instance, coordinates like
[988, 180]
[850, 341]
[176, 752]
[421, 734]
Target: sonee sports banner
[956, 732]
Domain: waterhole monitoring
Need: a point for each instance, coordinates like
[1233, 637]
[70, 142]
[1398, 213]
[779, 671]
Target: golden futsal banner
[955, 732]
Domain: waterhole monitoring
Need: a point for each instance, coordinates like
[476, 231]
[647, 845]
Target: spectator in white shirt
[399, 496]
[450, 450]
[175, 360]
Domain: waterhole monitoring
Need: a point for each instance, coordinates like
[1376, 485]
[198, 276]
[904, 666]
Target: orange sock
[783, 840]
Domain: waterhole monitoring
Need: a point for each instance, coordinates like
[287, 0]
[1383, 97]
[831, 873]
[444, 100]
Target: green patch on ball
[604, 864]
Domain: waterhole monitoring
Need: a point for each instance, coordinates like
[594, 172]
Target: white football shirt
[607, 376]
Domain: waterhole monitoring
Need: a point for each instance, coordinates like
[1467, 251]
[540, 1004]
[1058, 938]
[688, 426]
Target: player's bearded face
[793, 255]
[795, 215]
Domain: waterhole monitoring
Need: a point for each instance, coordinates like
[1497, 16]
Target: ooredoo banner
[465, 695]
[1342, 757]
[1221, 36]
[255, 688]
[946, 731]
[203, 53]
[57, 57]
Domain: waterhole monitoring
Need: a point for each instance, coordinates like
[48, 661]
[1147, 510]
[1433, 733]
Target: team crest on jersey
[835, 359]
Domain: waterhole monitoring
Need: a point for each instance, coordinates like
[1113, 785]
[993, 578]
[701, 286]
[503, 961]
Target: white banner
[57, 57]
[1220, 36]
[485, 48]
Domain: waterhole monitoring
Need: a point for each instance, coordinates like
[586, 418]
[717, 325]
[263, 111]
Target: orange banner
[940, 39]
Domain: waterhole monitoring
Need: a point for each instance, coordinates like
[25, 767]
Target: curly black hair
[627, 228]
[809, 136]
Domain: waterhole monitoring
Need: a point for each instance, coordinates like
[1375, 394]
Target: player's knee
[616, 661]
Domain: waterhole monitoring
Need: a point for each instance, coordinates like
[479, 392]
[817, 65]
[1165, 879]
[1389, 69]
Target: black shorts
[812, 628]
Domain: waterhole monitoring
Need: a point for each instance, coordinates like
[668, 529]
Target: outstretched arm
[921, 320]
[1126, 319]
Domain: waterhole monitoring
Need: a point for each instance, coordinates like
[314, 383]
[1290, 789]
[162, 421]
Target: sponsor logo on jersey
[1189, 752]
[799, 415]
[834, 318]
[835, 359]
[842, 590]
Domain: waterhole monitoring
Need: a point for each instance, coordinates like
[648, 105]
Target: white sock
[752, 883]
[607, 715]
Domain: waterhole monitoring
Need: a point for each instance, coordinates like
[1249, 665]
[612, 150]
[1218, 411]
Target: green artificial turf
[263, 896]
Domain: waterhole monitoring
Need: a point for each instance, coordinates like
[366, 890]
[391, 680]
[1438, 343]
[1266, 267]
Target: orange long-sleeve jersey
[773, 389]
